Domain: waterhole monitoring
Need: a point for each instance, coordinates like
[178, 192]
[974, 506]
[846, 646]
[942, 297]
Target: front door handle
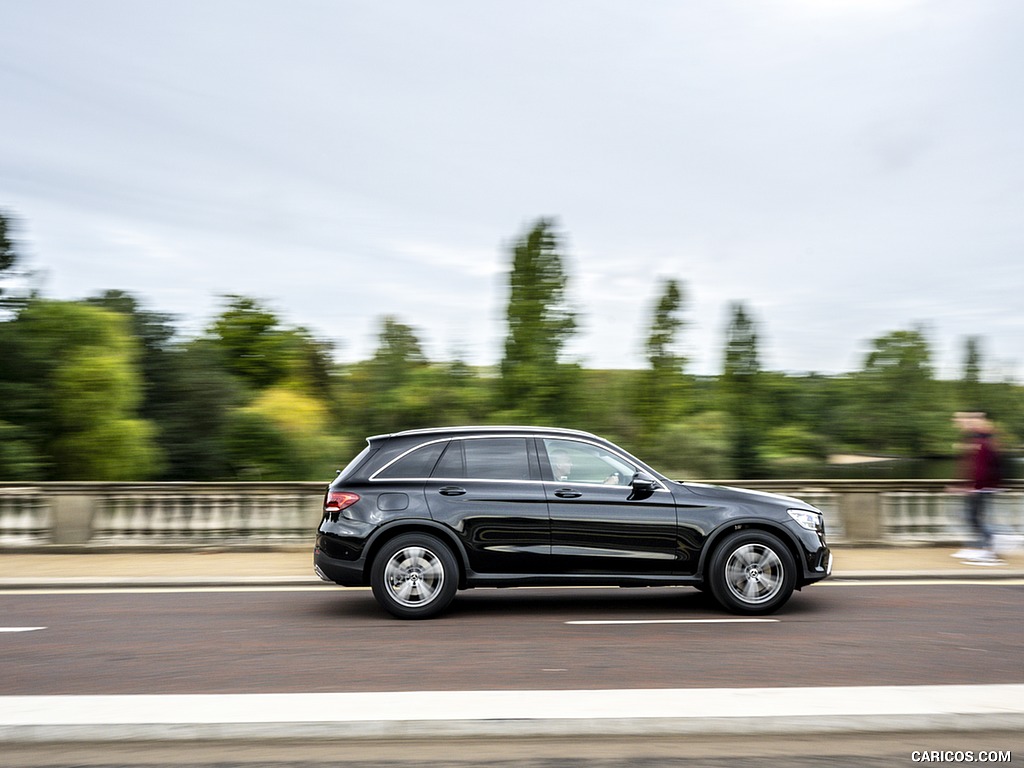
[452, 490]
[568, 493]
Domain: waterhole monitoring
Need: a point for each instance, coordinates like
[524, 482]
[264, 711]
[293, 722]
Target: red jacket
[984, 465]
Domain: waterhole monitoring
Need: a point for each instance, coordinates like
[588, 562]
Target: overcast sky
[846, 168]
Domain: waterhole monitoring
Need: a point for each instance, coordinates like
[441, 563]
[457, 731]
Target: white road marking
[170, 590]
[922, 582]
[679, 621]
[21, 629]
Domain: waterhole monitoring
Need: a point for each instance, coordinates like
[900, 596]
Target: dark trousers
[977, 518]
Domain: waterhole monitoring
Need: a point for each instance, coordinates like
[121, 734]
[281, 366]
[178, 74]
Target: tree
[18, 457]
[262, 352]
[196, 448]
[381, 392]
[742, 395]
[398, 349]
[154, 333]
[899, 406]
[8, 256]
[71, 382]
[970, 388]
[534, 381]
[252, 340]
[661, 391]
[283, 435]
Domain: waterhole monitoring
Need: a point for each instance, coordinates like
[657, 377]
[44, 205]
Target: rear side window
[351, 467]
[489, 458]
[416, 464]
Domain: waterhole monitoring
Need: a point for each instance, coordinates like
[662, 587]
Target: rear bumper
[347, 573]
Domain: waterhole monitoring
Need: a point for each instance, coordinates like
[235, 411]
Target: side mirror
[643, 486]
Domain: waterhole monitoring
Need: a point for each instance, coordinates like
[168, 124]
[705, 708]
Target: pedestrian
[980, 470]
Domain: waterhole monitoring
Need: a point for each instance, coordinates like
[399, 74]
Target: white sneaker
[986, 558]
[969, 554]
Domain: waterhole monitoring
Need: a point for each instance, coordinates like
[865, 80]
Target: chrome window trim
[448, 439]
[567, 436]
[399, 457]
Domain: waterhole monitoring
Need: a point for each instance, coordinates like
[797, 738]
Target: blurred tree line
[105, 389]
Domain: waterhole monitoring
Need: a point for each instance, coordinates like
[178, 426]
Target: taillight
[339, 500]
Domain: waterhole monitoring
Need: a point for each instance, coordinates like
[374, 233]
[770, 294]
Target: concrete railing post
[861, 513]
[72, 518]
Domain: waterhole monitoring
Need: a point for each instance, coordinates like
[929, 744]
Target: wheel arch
[388, 532]
[716, 538]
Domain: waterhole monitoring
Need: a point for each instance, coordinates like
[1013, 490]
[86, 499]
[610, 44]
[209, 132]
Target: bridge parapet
[276, 515]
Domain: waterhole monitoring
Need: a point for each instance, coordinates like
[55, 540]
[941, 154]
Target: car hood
[724, 493]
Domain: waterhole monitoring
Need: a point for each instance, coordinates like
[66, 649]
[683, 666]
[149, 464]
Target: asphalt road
[331, 639]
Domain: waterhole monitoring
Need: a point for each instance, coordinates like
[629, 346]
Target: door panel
[597, 526]
[502, 521]
[597, 529]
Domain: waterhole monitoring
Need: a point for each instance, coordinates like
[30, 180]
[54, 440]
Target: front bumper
[818, 565]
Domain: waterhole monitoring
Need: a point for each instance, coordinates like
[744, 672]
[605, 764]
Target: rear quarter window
[418, 463]
[353, 465]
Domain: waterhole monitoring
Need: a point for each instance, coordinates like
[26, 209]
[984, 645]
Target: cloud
[845, 168]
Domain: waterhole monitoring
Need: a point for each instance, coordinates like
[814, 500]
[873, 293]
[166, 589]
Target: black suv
[421, 514]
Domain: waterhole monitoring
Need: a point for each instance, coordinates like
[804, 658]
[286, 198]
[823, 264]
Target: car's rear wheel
[414, 576]
[752, 572]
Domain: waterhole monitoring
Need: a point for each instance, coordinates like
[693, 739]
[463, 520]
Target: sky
[845, 168]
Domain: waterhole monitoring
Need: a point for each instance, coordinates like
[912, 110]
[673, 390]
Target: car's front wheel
[752, 572]
[414, 576]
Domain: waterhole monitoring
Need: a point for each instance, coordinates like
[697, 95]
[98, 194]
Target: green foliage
[534, 381]
[262, 353]
[9, 258]
[109, 449]
[8, 254]
[18, 457]
[257, 448]
[199, 382]
[104, 389]
[282, 435]
[696, 448]
[970, 389]
[74, 389]
[661, 391]
[897, 404]
[794, 441]
[742, 393]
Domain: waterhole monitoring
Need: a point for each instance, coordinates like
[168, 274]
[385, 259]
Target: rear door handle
[568, 493]
[452, 490]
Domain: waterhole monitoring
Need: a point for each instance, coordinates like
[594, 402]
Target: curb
[453, 714]
[976, 574]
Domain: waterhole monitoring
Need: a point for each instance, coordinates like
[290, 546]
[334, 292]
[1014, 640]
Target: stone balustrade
[166, 515]
[143, 515]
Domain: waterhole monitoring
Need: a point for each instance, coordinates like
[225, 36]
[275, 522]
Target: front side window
[576, 462]
[488, 458]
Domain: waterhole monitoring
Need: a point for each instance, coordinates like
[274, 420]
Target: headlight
[812, 521]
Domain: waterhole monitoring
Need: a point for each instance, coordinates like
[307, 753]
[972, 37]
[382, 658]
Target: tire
[414, 576]
[752, 572]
